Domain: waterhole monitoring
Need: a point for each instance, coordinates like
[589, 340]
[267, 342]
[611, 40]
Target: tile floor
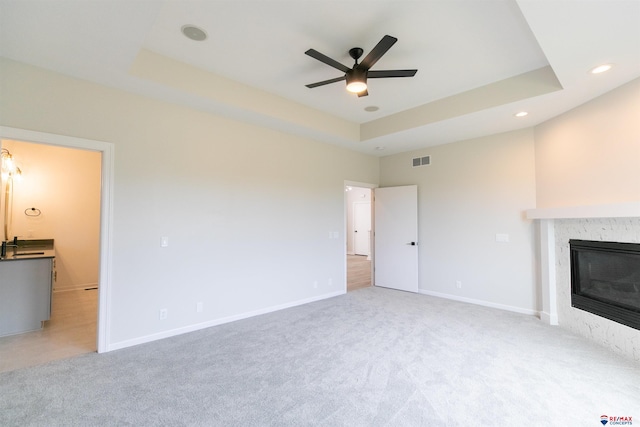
[70, 331]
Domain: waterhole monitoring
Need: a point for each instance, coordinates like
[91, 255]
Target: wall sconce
[9, 172]
[9, 167]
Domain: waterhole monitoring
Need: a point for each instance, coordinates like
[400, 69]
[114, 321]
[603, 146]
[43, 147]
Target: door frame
[105, 264]
[345, 216]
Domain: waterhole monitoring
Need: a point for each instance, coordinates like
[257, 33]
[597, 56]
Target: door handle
[412, 243]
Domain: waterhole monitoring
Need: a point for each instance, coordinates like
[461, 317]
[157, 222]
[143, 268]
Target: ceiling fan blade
[376, 53]
[324, 58]
[379, 74]
[325, 82]
[363, 93]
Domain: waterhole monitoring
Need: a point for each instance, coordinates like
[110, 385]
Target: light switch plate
[502, 238]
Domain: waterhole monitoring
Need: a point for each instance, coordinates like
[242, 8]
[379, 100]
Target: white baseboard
[216, 322]
[480, 302]
[80, 287]
[548, 318]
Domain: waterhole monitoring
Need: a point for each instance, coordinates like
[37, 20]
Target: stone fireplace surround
[616, 223]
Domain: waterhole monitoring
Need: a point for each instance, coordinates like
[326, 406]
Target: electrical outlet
[315, 284]
[199, 307]
[458, 284]
[330, 282]
[163, 313]
[164, 241]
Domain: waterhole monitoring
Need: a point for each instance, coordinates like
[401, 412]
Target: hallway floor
[358, 272]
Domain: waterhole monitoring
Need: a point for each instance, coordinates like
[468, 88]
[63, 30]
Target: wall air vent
[421, 161]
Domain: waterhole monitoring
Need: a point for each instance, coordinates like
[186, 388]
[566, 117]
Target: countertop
[30, 249]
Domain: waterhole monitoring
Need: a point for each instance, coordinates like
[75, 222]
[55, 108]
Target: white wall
[591, 154]
[64, 184]
[247, 210]
[472, 191]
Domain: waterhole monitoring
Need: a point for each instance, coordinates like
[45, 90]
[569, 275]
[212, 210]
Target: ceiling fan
[356, 76]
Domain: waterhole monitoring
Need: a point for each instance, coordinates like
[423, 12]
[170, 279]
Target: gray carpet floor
[373, 357]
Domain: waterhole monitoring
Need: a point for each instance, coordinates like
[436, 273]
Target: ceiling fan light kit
[356, 76]
[356, 80]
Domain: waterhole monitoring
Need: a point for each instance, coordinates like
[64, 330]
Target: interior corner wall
[472, 191]
[64, 186]
[249, 212]
[591, 154]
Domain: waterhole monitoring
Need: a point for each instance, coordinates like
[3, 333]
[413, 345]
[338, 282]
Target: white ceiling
[467, 53]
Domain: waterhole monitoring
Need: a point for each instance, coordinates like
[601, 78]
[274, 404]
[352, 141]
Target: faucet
[5, 245]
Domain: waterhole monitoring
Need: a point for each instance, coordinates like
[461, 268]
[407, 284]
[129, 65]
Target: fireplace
[605, 280]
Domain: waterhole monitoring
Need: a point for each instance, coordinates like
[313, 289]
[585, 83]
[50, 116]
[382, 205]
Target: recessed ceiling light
[601, 68]
[194, 33]
[371, 108]
[521, 114]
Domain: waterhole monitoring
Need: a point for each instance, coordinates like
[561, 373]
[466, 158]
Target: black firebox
[605, 280]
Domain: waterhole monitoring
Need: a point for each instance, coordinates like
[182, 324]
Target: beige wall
[471, 191]
[591, 154]
[247, 210]
[64, 184]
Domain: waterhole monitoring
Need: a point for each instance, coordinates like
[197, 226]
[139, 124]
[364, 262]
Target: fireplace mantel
[612, 210]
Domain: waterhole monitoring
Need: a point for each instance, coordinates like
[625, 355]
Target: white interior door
[361, 228]
[396, 237]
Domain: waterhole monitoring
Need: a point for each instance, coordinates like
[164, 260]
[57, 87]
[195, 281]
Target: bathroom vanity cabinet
[25, 294]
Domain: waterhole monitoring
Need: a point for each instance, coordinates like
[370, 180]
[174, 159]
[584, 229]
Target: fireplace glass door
[605, 280]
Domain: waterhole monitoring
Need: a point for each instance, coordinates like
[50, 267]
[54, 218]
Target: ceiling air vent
[421, 161]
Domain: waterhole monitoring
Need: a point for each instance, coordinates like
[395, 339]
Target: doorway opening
[359, 233]
[79, 304]
[57, 198]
